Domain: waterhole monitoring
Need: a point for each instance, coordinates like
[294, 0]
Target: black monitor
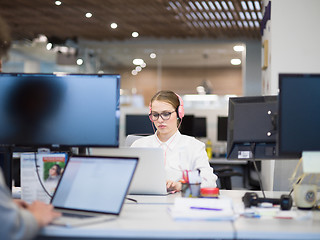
[299, 114]
[222, 128]
[50, 110]
[252, 128]
[200, 127]
[187, 125]
[194, 126]
[138, 124]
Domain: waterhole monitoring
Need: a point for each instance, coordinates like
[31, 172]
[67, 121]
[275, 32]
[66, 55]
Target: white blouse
[182, 152]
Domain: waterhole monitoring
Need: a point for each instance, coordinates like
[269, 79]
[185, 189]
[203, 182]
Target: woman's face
[165, 127]
[53, 171]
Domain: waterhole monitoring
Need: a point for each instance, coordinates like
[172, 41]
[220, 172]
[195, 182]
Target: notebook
[92, 189]
[150, 176]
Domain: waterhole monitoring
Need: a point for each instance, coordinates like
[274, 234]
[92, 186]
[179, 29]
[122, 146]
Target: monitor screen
[200, 127]
[187, 125]
[252, 128]
[59, 110]
[138, 125]
[222, 128]
[299, 114]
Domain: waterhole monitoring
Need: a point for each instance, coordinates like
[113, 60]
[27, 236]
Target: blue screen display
[59, 110]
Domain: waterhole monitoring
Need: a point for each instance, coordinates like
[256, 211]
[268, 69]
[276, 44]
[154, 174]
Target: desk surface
[149, 219]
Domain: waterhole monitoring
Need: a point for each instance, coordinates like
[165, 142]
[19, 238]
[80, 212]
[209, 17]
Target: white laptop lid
[150, 176]
[95, 184]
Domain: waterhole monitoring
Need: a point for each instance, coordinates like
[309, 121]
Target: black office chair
[224, 175]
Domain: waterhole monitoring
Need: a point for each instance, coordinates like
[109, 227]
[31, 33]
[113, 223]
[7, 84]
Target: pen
[206, 208]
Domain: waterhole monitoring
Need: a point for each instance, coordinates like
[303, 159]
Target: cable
[256, 168]
[37, 171]
[132, 199]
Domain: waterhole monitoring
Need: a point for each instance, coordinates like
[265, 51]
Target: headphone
[252, 199]
[180, 108]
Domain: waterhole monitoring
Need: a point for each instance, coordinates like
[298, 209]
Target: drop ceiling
[182, 33]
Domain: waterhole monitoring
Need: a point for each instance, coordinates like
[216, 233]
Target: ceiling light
[88, 15]
[153, 55]
[211, 5]
[244, 5]
[224, 5]
[238, 48]
[137, 61]
[134, 72]
[138, 68]
[79, 61]
[218, 5]
[58, 3]
[250, 5]
[143, 65]
[198, 5]
[135, 34]
[205, 5]
[49, 46]
[113, 25]
[235, 61]
[231, 5]
[257, 5]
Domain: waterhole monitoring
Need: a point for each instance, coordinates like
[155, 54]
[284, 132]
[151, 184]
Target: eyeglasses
[154, 116]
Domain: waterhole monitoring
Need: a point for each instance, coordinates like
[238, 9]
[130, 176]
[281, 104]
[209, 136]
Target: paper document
[202, 209]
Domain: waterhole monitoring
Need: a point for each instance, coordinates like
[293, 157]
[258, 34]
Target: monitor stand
[7, 165]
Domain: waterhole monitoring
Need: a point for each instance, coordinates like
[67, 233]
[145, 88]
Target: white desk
[146, 219]
[149, 219]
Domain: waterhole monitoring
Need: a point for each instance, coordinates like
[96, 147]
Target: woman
[181, 152]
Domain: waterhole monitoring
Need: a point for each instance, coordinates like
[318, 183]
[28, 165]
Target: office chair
[224, 175]
[133, 137]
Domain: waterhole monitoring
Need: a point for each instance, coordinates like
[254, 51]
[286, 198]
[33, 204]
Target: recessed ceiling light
[137, 61]
[49, 46]
[238, 48]
[135, 34]
[79, 61]
[134, 72]
[113, 25]
[153, 55]
[58, 3]
[235, 61]
[88, 15]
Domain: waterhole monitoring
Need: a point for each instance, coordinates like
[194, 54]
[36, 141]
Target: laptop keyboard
[75, 215]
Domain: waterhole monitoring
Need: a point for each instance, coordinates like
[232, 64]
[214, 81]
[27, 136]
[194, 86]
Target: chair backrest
[131, 138]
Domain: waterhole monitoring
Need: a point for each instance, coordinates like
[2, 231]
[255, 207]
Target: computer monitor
[252, 128]
[222, 128]
[200, 127]
[138, 124]
[187, 125]
[299, 114]
[52, 110]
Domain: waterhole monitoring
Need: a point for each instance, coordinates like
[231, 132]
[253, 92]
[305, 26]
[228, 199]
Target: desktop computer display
[49, 110]
[252, 128]
[299, 114]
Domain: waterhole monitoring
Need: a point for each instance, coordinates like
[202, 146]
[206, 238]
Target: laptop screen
[95, 184]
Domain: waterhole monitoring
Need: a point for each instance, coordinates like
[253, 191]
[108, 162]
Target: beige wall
[183, 81]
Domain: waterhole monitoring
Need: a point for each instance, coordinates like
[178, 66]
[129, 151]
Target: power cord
[37, 171]
[253, 146]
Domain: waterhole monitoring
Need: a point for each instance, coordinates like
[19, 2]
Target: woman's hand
[174, 186]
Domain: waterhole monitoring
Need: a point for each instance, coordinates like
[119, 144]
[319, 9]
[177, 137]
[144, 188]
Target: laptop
[150, 176]
[92, 189]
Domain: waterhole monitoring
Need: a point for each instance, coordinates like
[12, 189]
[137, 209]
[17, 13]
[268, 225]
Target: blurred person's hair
[5, 39]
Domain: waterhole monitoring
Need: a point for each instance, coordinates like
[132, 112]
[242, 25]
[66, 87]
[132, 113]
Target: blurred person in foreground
[19, 220]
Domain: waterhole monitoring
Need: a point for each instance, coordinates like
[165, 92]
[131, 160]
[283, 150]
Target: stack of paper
[202, 209]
